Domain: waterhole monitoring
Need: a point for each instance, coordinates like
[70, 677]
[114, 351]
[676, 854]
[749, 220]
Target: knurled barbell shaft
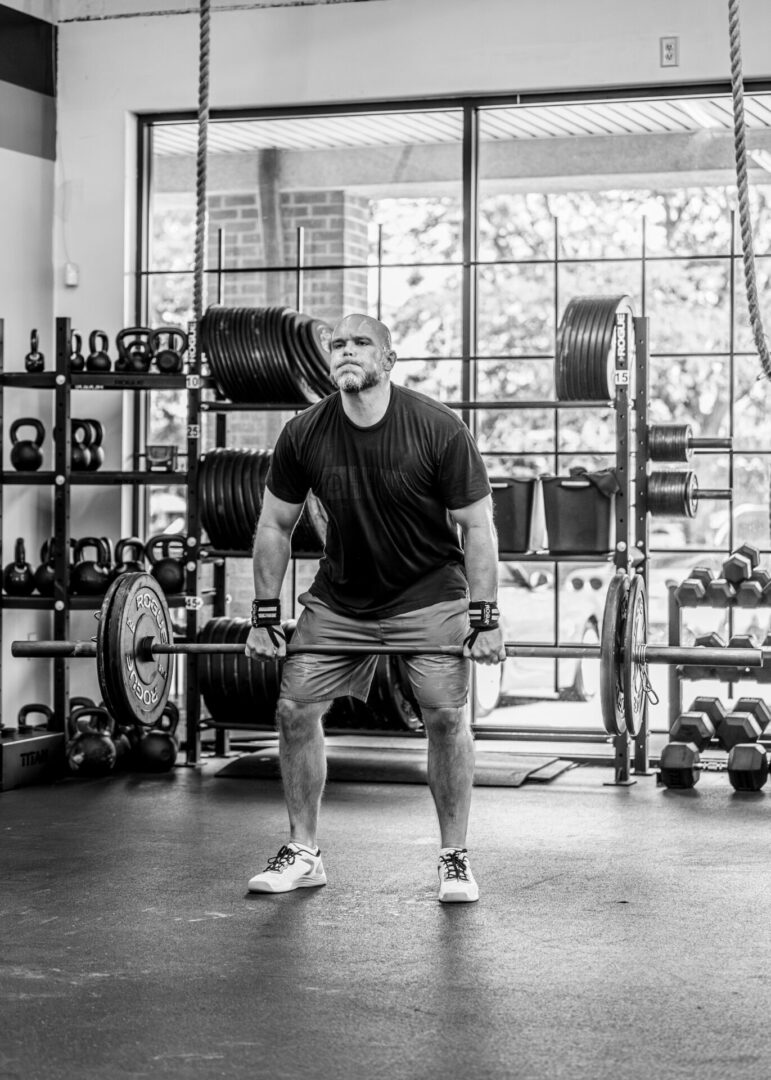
[649, 654]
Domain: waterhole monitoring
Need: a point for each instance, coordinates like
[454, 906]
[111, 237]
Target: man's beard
[354, 382]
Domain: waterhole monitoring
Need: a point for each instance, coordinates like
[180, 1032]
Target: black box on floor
[31, 759]
[513, 511]
[578, 516]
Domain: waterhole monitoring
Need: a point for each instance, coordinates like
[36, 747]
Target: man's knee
[298, 720]
[446, 723]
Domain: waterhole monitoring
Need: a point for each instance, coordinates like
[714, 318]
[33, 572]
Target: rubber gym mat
[396, 765]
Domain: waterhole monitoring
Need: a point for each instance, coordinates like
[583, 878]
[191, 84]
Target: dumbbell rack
[62, 478]
[678, 675]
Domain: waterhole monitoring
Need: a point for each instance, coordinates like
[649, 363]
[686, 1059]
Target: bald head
[357, 325]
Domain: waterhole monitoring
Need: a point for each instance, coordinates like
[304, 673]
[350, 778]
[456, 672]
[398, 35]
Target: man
[397, 473]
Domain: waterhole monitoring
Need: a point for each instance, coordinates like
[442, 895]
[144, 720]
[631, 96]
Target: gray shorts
[438, 682]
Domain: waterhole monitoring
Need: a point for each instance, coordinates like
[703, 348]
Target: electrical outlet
[669, 51]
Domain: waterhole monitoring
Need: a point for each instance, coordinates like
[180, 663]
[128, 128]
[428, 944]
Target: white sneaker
[293, 868]
[456, 882]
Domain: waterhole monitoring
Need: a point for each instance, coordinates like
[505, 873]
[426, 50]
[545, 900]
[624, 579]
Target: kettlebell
[90, 577]
[125, 564]
[76, 359]
[26, 455]
[95, 447]
[98, 359]
[168, 359]
[90, 750]
[167, 571]
[17, 576]
[158, 748]
[134, 349]
[80, 454]
[44, 577]
[25, 727]
[81, 703]
[34, 361]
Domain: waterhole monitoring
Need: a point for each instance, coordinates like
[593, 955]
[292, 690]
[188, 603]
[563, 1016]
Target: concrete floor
[621, 933]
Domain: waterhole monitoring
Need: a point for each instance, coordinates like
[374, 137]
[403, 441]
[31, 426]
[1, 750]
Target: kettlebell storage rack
[630, 507]
[62, 478]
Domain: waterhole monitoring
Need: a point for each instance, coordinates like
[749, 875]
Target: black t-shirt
[391, 545]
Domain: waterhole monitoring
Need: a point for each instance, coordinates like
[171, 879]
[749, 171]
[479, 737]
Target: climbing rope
[740, 148]
[200, 168]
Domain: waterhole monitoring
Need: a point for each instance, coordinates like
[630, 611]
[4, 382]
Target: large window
[371, 210]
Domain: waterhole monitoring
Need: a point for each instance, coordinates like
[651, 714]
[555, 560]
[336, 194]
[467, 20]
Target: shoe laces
[455, 865]
[279, 862]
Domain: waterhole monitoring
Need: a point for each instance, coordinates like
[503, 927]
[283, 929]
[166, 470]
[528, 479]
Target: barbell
[134, 648]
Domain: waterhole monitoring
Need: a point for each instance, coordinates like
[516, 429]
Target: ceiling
[506, 123]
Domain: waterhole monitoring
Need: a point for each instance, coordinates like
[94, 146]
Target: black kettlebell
[76, 360]
[158, 748]
[34, 361]
[90, 750]
[135, 352]
[129, 556]
[168, 358]
[98, 359]
[26, 455]
[167, 571]
[95, 447]
[24, 727]
[44, 577]
[17, 576]
[80, 442]
[81, 703]
[90, 577]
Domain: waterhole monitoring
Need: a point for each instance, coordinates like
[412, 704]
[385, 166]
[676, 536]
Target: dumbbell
[741, 562]
[693, 590]
[745, 723]
[680, 766]
[721, 593]
[750, 593]
[691, 732]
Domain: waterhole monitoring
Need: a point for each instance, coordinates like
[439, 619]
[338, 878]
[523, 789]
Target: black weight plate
[241, 355]
[206, 636]
[302, 372]
[237, 498]
[208, 508]
[634, 674]
[602, 366]
[585, 341]
[270, 365]
[290, 369]
[203, 495]
[612, 651]
[691, 495]
[311, 333]
[232, 525]
[259, 365]
[582, 313]
[219, 522]
[595, 353]
[565, 357]
[232, 683]
[560, 353]
[215, 526]
[235, 355]
[218, 666]
[291, 392]
[247, 490]
[280, 389]
[109, 677]
[103, 658]
[220, 345]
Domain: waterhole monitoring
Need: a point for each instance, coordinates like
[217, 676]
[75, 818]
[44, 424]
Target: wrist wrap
[483, 615]
[266, 615]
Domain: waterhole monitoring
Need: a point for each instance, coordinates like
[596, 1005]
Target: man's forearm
[480, 550]
[271, 554]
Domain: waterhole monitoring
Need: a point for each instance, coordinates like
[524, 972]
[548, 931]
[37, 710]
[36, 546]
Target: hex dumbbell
[741, 562]
[750, 593]
[745, 723]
